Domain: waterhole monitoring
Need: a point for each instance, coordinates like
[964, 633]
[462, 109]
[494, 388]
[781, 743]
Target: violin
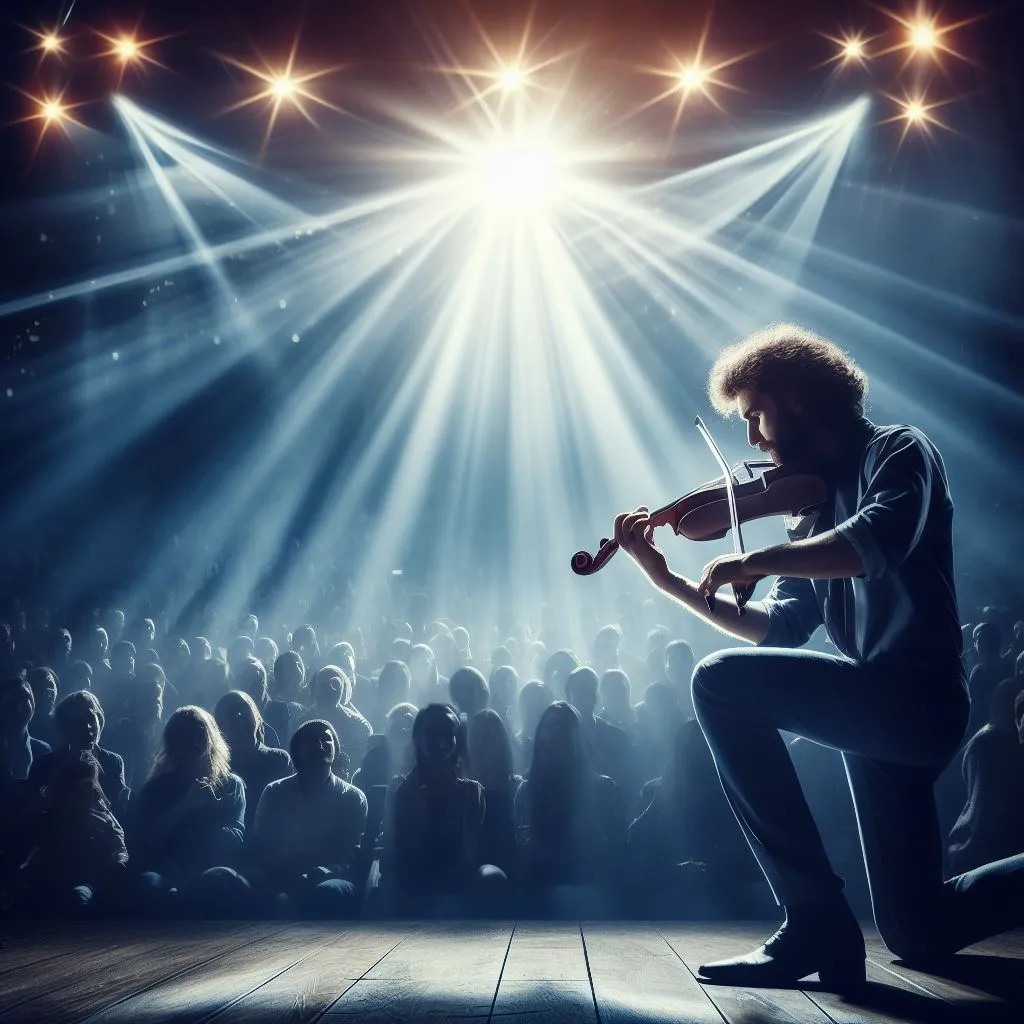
[703, 513]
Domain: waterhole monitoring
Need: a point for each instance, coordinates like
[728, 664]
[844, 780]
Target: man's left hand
[726, 570]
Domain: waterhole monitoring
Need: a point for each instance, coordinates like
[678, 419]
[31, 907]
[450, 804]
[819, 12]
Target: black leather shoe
[831, 946]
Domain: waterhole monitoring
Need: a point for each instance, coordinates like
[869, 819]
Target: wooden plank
[473, 949]
[304, 991]
[637, 976]
[78, 977]
[201, 990]
[441, 999]
[699, 944]
[544, 1002]
[546, 952]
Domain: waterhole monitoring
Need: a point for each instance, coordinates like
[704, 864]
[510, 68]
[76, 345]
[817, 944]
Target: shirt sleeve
[893, 511]
[793, 613]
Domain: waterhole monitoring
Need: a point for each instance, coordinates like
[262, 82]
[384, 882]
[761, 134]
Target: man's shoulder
[888, 439]
[345, 791]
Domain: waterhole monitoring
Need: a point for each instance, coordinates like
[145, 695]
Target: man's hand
[723, 571]
[634, 533]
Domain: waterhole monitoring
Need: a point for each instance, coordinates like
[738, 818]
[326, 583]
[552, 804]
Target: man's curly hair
[785, 359]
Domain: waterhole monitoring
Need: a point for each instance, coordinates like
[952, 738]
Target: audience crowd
[310, 774]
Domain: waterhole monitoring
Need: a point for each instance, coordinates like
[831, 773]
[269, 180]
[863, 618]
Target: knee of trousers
[714, 679]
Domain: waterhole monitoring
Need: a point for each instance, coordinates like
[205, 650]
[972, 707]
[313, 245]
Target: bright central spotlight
[127, 49]
[853, 50]
[511, 78]
[50, 43]
[283, 87]
[692, 77]
[515, 175]
[914, 111]
[923, 36]
[52, 110]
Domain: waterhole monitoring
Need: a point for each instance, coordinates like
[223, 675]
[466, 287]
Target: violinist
[873, 564]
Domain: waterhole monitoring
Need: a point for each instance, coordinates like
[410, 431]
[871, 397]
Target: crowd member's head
[79, 720]
[400, 649]
[289, 675]
[987, 641]
[393, 685]
[44, 687]
[581, 691]
[607, 648]
[330, 688]
[502, 657]
[113, 623]
[534, 699]
[201, 650]
[657, 640]
[315, 748]
[193, 745]
[212, 680]
[490, 751]
[536, 658]
[343, 655]
[17, 706]
[463, 654]
[266, 650]
[242, 647]
[557, 669]
[614, 694]
[468, 690]
[59, 648]
[504, 688]
[79, 676]
[239, 721]
[122, 659]
[97, 644]
[446, 654]
[141, 632]
[422, 668]
[305, 643]
[558, 761]
[249, 625]
[399, 736]
[145, 703]
[250, 676]
[679, 662]
[435, 738]
[179, 657]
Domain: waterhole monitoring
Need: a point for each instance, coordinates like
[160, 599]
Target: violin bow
[734, 518]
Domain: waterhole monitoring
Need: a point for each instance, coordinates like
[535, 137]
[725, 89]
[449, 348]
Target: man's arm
[828, 556]
[752, 625]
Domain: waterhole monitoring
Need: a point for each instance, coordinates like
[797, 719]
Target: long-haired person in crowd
[490, 755]
[190, 819]
[288, 695]
[255, 763]
[874, 565]
[433, 862]
[391, 755]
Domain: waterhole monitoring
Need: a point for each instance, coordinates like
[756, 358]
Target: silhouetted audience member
[307, 828]
[77, 844]
[606, 747]
[190, 820]
[991, 824]
[534, 699]
[137, 735]
[557, 669]
[490, 754]
[503, 686]
[394, 686]
[44, 688]
[18, 748]
[250, 676]
[679, 663]
[331, 690]
[285, 712]
[988, 672]
[255, 763]
[615, 704]
[79, 721]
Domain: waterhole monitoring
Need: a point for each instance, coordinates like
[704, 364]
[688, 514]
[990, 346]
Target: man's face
[775, 427]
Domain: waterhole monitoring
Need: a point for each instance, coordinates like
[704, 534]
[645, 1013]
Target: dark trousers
[897, 728]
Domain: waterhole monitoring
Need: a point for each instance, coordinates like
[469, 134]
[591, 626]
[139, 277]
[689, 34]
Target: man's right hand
[634, 534]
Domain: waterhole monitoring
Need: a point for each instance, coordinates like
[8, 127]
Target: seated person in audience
[267, 651]
[991, 825]
[432, 862]
[79, 723]
[122, 675]
[614, 699]
[18, 748]
[307, 828]
[468, 690]
[286, 710]
[241, 649]
[394, 686]
[78, 676]
[331, 690]
[391, 756]
[97, 645]
[136, 736]
[503, 686]
[44, 688]
[151, 673]
[427, 687]
[988, 672]
[77, 844]
[304, 643]
[190, 819]
[658, 719]
[250, 677]
[685, 857]
[256, 764]
[569, 819]
[606, 747]
[534, 699]
[654, 656]
[490, 754]
[344, 654]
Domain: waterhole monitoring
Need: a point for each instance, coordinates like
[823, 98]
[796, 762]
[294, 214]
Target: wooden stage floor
[472, 973]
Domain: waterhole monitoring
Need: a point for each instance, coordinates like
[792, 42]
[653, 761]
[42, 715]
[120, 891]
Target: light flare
[916, 113]
[924, 36]
[129, 49]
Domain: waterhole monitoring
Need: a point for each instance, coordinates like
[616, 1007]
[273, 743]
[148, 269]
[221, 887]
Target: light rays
[924, 37]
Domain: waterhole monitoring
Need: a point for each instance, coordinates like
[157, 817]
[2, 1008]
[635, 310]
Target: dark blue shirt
[889, 498]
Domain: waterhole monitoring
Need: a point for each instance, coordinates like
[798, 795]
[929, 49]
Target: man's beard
[792, 445]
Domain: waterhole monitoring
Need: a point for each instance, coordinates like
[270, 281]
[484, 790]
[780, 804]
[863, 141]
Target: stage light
[516, 175]
[51, 43]
[127, 49]
[283, 87]
[916, 113]
[511, 78]
[853, 49]
[52, 110]
[692, 76]
[924, 36]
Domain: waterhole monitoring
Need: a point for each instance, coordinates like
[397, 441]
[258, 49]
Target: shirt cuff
[858, 533]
